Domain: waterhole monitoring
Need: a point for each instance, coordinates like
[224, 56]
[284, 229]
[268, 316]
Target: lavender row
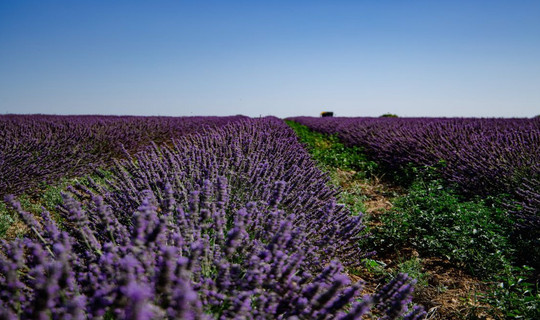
[483, 156]
[236, 223]
[36, 149]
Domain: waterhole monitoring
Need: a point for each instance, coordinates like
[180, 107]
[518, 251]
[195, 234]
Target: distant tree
[389, 115]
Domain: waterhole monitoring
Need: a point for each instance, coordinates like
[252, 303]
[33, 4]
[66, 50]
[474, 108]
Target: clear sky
[282, 58]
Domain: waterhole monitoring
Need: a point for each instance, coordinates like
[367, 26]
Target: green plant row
[329, 152]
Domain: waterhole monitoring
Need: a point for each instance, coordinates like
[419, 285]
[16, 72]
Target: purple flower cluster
[40, 148]
[235, 223]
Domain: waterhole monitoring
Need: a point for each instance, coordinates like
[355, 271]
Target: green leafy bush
[515, 293]
[5, 220]
[436, 222]
[414, 268]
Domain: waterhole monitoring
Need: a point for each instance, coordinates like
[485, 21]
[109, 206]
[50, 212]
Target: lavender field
[157, 160]
[239, 218]
[219, 218]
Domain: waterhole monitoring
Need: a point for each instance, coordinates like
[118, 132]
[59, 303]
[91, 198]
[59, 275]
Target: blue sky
[283, 58]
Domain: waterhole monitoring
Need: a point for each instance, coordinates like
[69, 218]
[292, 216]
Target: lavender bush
[36, 149]
[237, 223]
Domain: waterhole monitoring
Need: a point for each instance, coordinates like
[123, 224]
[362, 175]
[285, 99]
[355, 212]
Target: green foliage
[353, 199]
[374, 266]
[389, 115]
[411, 173]
[329, 152]
[435, 221]
[515, 293]
[413, 267]
[6, 220]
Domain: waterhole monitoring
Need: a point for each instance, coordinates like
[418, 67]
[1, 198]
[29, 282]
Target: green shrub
[515, 293]
[436, 222]
[413, 267]
[6, 220]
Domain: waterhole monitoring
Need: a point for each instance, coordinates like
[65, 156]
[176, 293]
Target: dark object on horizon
[325, 114]
[389, 115]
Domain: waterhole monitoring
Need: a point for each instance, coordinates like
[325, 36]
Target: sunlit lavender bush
[237, 223]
